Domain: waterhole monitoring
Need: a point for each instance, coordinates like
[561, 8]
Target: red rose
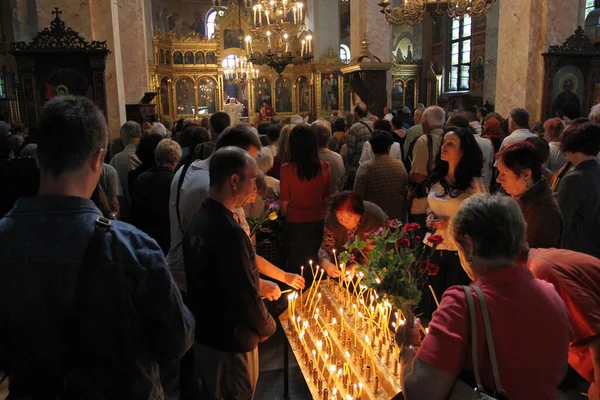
[411, 227]
[404, 242]
[417, 239]
[435, 239]
[432, 269]
[423, 265]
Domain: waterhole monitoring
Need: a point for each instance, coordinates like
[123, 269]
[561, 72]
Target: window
[230, 62]
[589, 7]
[2, 86]
[210, 23]
[345, 54]
[460, 54]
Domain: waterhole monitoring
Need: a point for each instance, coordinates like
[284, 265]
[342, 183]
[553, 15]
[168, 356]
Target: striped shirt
[557, 158]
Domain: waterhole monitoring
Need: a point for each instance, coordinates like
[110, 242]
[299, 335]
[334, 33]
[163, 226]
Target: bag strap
[473, 319]
[365, 124]
[490, 340]
[184, 170]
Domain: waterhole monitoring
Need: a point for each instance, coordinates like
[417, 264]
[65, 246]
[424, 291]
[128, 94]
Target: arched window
[230, 62]
[589, 7]
[210, 23]
[460, 54]
[345, 54]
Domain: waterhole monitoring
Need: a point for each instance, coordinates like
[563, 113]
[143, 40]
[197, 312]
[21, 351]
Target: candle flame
[402, 322]
[325, 333]
[339, 373]
[367, 339]
[334, 321]
[426, 331]
[332, 369]
[347, 355]
[393, 325]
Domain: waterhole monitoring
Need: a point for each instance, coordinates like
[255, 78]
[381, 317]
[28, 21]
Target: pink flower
[351, 237]
[352, 258]
[411, 227]
[391, 223]
[378, 231]
[435, 239]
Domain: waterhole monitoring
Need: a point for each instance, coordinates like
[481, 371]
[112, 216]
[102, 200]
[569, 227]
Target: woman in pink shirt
[305, 183]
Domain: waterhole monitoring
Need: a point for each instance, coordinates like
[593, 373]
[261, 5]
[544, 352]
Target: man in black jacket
[222, 281]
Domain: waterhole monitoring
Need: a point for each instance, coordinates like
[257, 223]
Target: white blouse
[446, 206]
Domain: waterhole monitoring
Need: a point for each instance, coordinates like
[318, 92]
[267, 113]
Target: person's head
[348, 208]
[159, 129]
[205, 123]
[568, 85]
[571, 112]
[471, 114]
[553, 129]
[232, 174]
[241, 136]
[265, 103]
[218, 122]
[273, 133]
[419, 115]
[538, 129]
[481, 113]
[381, 142]
[387, 110]
[130, 132]
[264, 140]
[398, 122]
[303, 152]
[460, 152]
[489, 233]
[518, 119]
[583, 139]
[459, 120]
[72, 140]
[382, 125]
[168, 123]
[146, 148]
[275, 120]
[191, 137]
[595, 114]
[361, 111]
[296, 120]
[519, 167]
[263, 128]
[167, 154]
[434, 116]
[322, 129]
[283, 146]
[146, 128]
[264, 160]
[339, 125]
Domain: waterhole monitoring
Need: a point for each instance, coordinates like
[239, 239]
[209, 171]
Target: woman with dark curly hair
[579, 191]
[456, 177]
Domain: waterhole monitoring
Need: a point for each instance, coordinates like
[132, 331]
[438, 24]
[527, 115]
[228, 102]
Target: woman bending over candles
[348, 215]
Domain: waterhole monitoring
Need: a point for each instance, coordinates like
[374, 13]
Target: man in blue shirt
[75, 326]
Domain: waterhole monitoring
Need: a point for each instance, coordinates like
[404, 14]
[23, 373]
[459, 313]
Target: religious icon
[164, 96]
[304, 94]
[64, 81]
[262, 92]
[478, 70]
[232, 38]
[200, 58]
[397, 94]
[206, 96]
[211, 57]
[198, 25]
[409, 99]
[568, 88]
[347, 92]
[284, 95]
[177, 58]
[184, 93]
[329, 92]
[188, 58]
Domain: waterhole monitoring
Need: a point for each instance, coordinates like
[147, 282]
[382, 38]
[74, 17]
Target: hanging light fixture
[283, 24]
[241, 72]
[413, 11]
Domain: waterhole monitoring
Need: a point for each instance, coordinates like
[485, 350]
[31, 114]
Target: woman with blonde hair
[283, 150]
[553, 129]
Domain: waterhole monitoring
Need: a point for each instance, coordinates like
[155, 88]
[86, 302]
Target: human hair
[571, 111]
[283, 146]
[275, 120]
[239, 135]
[483, 111]
[577, 121]
[130, 130]
[347, 200]
[71, 129]
[397, 122]
[595, 114]
[553, 128]
[468, 167]
[179, 125]
[541, 146]
[435, 116]
[159, 129]
[460, 120]
[147, 147]
[168, 123]
[303, 152]
[382, 125]
[167, 153]
[419, 113]
[264, 140]
[495, 223]
[205, 123]
[263, 128]
[520, 117]
[190, 138]
[218, 122]
[339, 125]
[273, 132]
[581, 138]
[322, 130]
[381, 141]
[471, 113]
[264, 160]
[296, 120]
[146, 128]
[361, 110]
[538, 128]
[226, 162]
[521, 156]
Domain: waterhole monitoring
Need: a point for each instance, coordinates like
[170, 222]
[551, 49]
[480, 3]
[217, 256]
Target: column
[526, 29]
[324, 21]
[134, 50]
[491, 53]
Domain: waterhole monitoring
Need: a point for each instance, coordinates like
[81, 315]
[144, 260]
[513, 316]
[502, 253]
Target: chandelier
[413, 11]
[241, 72]
[283, 24]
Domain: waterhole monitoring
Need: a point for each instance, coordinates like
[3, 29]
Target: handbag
[462, 390]
[417, 192]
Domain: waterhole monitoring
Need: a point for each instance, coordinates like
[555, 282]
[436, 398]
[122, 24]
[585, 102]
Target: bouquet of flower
[271, 213]
[396, 262]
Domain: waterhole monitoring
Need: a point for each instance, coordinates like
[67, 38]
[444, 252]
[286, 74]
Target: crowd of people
[139, 277]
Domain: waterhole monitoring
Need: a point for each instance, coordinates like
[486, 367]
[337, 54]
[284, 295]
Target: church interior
[180, 60]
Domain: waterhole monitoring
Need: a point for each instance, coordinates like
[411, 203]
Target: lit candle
[259, 14]
[309, 39]
[300, 13]
[267, 15]
[302, 52]
[269, 39]
[254, 9]
[294, 12]
[285, 37]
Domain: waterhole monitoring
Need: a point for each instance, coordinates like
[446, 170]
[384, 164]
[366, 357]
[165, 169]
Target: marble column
[134, 57]
[367, 21]
[325, 15]
[526, 29]
[491, 53]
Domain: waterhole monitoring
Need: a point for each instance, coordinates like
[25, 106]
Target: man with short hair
[595, 114]
[296, 120]
[358, 134]
[414, 131]
[219, 121]
[273, 134]
[322, 129]
[126, 161]
[471, 114]
[387, 112]
[221, 264]
[518, 126]
[97, 307]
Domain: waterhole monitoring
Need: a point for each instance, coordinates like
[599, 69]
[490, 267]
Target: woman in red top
[529, 321]
[304, 196]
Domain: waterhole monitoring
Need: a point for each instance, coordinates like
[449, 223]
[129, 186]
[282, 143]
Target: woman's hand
[594, 391]
[408, 334]
[331, 270]
[295, 281]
